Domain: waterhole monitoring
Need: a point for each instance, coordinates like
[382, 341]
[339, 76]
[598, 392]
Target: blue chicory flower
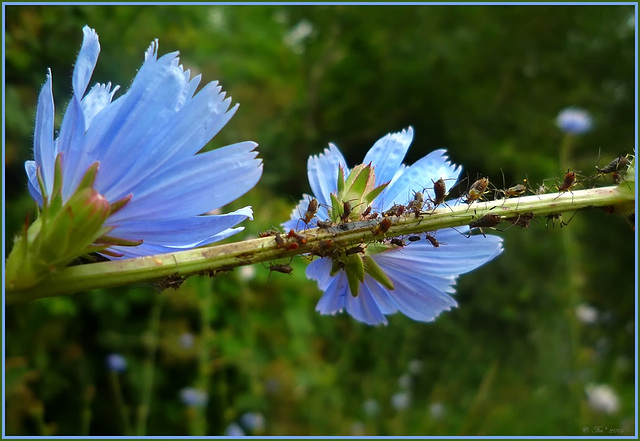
[574, 120]
[418, 278]
[193, 397]
[145, 143]
[234, 429]
[116, 362]
[253, 421]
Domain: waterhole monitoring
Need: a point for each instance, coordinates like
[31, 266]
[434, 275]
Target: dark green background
[486, 82]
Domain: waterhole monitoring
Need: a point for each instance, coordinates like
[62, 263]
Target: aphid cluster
[346, 215]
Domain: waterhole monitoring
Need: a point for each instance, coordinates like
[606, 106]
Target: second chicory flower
[416, 280]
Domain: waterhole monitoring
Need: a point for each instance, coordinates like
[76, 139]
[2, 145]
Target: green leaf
[374, 270]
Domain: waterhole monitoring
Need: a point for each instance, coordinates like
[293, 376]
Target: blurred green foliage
[486, 82]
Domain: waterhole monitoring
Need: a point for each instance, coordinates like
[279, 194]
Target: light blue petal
[71, 140]
[34, 188]
[189, 130]
[122, 132]
[364, 308]
[197, 185]
[149, 249]
[334, 298]
[86, 62]
[43, 145]
[456, 255]
[323, 173]
[412, 278]
[96, 100]
[383, 296]
[295, 222]
[387, 154]
[185, 233]
[416, 177]
[319, 270]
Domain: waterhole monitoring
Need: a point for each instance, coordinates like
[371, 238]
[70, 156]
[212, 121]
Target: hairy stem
[173, 267]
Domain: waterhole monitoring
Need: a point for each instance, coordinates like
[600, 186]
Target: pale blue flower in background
[146, 143]
[253, 421]
[437, 410]
[423, 276]
[116, 362]
[187, 340]
[574, 120]
[190, 396]
[234, 429]
[401, 400]
[371, 407]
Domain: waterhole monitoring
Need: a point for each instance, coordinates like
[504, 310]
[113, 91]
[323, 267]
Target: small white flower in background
[400, 400]
[404, 382]
[416, 366]
[247, 272]
[358, 429]
[371, 407]
[574, 120]
[602, 398]
[586, 314]
[186, 340]
[234, 430]
[437, 410]
[253, 421]
[192, 397]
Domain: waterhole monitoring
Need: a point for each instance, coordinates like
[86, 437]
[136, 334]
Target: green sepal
[354, 268]
[369, 197]
[357, 182]
[340, 185]
[374, 270]
[62, 232]
[336, 208]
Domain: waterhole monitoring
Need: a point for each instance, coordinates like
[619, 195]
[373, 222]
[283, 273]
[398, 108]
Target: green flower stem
[214, 259]
[151, 344]
[114, 378]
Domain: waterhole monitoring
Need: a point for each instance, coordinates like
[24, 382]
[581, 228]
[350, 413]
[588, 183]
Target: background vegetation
[534, 329]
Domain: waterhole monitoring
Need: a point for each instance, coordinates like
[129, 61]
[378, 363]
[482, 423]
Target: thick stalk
[172, 267]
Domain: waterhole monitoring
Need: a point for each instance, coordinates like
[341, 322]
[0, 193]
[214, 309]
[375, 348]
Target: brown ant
[355, 250]
[440, 191]
[346, 211]
[614, 166]
[432, 240]
[567, 184]
[416, 204]
[568, 181]
[283, 268]
[619, 164]
[300, 238]
[486, 221]
[477, 190]
[279, 240]
[312, 209]
[382, 227]
[523, 220]
[398, 242]
[324, 248]
[324, 224]
[516, 190]
[397, 210]
[554, 216]
[268, 233]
